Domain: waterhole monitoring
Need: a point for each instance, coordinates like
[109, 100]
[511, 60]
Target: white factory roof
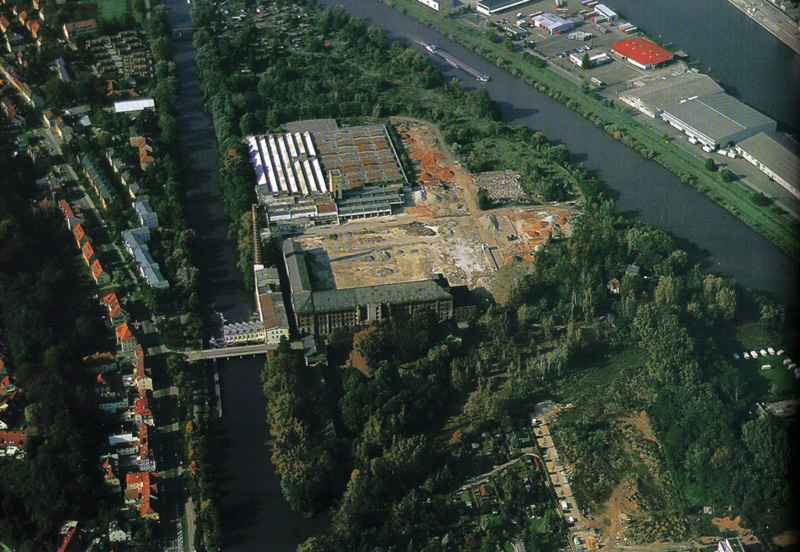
[134, 106]
[602, 9]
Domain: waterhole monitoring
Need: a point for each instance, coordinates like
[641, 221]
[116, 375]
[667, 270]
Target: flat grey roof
[777, 154]
[500, 4]
[718, 115]
[296, 267]
[660, 94]
[311, 125]
[403, 292]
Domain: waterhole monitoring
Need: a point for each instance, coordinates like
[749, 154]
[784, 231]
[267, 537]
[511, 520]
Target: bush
[760, 199]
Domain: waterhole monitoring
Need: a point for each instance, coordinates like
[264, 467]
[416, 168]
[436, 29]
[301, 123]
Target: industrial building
[241, 333]
[595, 58]
[776, 157]
[642, 53]
[604, 13]
[553, 24]
[271, 309]
[653, 96]
[134, 106]
[491, 7]
[328, 174]
[717, 119]
[321, 312]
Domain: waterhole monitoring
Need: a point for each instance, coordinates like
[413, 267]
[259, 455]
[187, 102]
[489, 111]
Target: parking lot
[616, 75]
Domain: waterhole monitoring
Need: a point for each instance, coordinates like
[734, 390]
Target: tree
[710, 165]
[585, 61]
[484, 201]
[726, 175]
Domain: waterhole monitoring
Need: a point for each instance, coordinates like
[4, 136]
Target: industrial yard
[440, 230]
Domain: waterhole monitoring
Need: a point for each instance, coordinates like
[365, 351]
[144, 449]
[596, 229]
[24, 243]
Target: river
[642, 189]
[254, 514]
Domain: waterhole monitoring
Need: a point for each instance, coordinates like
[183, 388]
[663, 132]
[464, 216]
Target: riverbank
[780, 25]
[613, 119]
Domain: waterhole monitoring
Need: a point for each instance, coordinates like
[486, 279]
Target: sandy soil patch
[745, 535]
[787, 538]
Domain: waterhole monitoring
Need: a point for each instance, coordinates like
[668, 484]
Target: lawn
[772, 384]
[114, 10]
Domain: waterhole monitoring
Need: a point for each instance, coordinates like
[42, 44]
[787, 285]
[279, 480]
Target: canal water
[255, 517]
[642, 189]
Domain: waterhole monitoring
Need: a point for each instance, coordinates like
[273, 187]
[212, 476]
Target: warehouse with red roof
[642, 53]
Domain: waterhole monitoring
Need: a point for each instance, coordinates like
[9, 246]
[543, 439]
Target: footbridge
[237, 351]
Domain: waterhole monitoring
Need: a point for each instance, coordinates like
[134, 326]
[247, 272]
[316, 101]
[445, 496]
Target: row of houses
[124, 53]
[12, 405]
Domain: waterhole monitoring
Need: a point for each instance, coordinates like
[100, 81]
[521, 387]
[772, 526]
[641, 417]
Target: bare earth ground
[440, 230]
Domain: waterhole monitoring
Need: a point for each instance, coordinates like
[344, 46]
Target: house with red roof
[77, 230]
[11, 407]
[116, 313]
[101, 385]
[88, 252]
[100, 276]
[34, 27]
[109, 468]
[141, 491]
[125, 338]
[141, 377]
[79, 28]
[23, 15]
[142, 408]
[12, 442]
[7, 385]
[99, 363]
[71, 537]
[146, 456]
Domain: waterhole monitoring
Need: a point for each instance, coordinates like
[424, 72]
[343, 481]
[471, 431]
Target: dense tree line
[305, 451]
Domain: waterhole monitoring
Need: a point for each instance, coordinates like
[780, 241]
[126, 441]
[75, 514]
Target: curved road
[642, 189]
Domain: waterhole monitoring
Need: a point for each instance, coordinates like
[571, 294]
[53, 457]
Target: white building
[240, 333]
[553, 24]
[730, 545]
[147, 217]
[604, 11]
[433, 4]
[134, 106]
[774, 156]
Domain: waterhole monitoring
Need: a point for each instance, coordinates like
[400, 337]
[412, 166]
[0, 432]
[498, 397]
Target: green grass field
[114, 10]
[772, 384]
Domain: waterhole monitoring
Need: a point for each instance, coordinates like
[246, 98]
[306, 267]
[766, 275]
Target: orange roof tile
[124, 333]
[14, 438]
[97, 270]
[88, 251]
